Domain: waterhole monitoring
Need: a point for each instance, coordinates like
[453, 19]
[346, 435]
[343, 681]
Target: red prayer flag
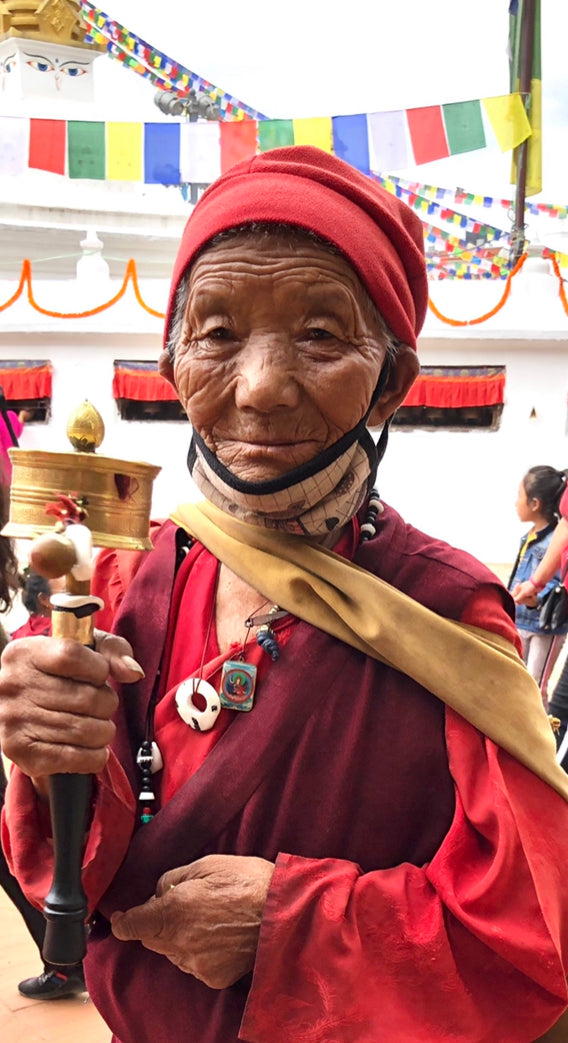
[238, 142]
[48, 145]
[427, 133]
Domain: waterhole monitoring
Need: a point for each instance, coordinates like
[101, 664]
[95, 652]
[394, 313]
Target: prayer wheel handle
[66, 908]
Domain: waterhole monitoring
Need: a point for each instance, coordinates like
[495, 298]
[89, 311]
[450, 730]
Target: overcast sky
[316, 57]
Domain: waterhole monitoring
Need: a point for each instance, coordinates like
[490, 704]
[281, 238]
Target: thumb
[118, 654]
[139, 922]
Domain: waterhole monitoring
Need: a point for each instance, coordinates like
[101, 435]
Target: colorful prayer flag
[48, 139]
[200, 152]
[124, 151]
[86, 150]
[161, 153]
[238, 142]
[350, 140]
[508, 120]
[275, 134]
[464, 126]
[314, 132]
[427, 133]
[388, 140]
[14, 145]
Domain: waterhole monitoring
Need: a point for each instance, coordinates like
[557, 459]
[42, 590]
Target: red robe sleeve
[27, 842]
[472, 945]
[476, 938]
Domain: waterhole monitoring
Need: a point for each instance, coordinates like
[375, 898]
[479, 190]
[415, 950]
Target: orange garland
[130, 275]
[489, 314]
[561, 290]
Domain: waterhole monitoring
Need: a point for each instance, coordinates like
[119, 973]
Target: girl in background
[538, 502]
[36, 596]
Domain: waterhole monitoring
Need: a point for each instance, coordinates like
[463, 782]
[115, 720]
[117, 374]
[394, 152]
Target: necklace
[238, 679]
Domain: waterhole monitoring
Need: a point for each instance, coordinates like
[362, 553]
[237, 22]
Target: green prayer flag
[86, 149]
[464, 126]
[275, 134]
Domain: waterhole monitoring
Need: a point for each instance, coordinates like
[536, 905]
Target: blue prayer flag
[351, 140]
[161, 154]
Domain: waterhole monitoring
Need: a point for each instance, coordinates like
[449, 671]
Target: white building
[458, 484]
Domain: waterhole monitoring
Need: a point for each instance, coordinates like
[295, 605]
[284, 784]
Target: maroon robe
[418, 895]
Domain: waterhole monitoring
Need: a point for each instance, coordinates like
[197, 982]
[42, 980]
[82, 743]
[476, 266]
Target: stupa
[43, 52]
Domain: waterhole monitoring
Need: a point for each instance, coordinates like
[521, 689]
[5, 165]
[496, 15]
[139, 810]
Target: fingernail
[133, 665]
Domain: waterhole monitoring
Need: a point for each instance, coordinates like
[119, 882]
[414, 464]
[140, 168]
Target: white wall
[462, 485]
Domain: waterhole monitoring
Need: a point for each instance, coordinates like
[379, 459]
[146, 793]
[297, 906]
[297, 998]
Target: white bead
[153, 760]
[157, 759]
[367, 527]
[199, 720]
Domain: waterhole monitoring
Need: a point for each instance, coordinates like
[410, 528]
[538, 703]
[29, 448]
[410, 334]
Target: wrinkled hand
[56, 704]
[208, 922]
[525, 594]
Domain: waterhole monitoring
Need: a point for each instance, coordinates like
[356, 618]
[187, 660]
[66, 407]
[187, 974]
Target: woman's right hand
[56, 704]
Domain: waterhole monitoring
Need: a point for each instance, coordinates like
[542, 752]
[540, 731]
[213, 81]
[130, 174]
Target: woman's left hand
[525, 594]
[205, 917]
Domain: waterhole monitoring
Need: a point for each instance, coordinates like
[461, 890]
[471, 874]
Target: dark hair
[34, 586]
[547, 485]
[8, 562]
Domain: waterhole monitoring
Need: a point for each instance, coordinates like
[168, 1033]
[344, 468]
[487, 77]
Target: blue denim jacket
[527, 618]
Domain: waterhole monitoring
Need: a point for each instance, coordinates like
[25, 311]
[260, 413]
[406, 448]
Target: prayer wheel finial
[85, 428]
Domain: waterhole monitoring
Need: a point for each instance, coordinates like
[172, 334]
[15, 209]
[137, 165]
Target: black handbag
[554, 607]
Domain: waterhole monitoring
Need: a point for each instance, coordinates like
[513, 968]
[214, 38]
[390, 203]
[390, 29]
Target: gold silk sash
[478, 674]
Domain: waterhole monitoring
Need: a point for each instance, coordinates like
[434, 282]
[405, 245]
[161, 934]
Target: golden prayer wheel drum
[116, 495]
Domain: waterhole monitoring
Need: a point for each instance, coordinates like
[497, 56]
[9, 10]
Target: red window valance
[25, 380]
[450, 387]
[141, 382]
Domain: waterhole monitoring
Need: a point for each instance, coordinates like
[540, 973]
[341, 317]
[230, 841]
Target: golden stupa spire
[54, 21]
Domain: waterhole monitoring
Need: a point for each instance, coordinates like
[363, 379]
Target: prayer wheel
[68, 503]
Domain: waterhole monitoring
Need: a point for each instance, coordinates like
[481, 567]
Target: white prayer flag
[388, 141]
[14, 145]
[200, 152]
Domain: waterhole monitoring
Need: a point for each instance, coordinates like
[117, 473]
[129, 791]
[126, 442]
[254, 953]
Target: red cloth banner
[48, 139]
[141, 385]
[238, 142]
[457, 392]
[26, 382]
[427, 133]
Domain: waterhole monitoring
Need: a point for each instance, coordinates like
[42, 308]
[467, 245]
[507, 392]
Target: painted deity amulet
[238, 682]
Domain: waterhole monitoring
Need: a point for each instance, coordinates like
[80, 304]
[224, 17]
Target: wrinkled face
[280, 353]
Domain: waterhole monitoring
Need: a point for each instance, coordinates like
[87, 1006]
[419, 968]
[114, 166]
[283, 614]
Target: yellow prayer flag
[508, 120]
[534, 159]
[316, 132]
[124, 152]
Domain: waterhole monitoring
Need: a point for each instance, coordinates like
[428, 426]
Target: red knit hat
[304, 186]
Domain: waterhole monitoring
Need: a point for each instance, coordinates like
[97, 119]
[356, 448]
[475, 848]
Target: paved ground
[30, 1021]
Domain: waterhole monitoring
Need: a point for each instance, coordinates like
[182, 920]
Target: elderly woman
[344, 772]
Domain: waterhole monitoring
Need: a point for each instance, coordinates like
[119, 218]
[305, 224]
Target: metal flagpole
[526, 43]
